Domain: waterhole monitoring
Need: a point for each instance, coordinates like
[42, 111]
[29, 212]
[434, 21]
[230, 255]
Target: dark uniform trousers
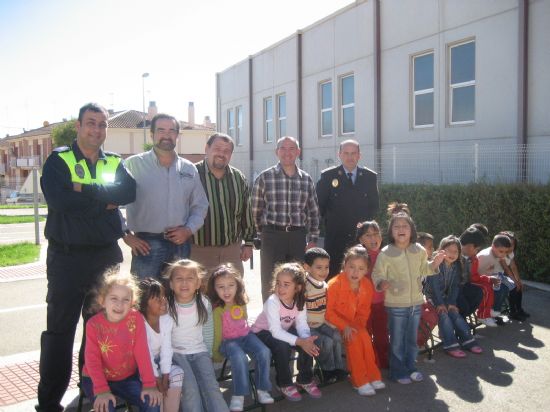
[72, 272]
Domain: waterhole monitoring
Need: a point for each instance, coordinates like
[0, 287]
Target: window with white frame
[347, 102]
[231, 122]
[281, 115]
[325, 91]
[239, 129]
[423, 90]
[462, 85]
[268, 119]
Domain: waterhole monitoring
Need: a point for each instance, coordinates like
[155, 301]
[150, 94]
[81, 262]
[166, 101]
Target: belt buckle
[288, 228]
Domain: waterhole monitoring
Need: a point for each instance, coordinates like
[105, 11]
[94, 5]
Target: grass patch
[22, 206]
[6, 220]
[18, 253]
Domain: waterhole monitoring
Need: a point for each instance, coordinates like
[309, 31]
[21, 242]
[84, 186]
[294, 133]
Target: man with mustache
[229, 219]
[170, 202]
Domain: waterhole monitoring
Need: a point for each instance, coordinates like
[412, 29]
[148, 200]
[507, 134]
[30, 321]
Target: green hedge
[449, 209]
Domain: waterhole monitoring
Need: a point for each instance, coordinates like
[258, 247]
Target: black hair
[164, 116]
[501, 241]
[92, 107]
[472, 236]
[149, 289]
[315, 253]
[363, 227]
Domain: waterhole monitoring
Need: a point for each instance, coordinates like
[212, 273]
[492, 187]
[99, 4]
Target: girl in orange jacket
[349, 299]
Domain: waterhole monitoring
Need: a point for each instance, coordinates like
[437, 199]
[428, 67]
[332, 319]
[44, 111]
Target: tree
[64, 134]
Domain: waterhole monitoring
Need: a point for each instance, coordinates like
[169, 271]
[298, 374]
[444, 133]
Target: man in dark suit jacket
[347, 195]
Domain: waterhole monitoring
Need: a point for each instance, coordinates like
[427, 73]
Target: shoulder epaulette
[61, 149]
[111, 154]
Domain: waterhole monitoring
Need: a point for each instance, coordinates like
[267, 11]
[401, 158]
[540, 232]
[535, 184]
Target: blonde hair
[111, 277]
[197, 269]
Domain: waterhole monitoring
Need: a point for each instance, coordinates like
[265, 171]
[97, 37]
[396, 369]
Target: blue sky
[59, 54]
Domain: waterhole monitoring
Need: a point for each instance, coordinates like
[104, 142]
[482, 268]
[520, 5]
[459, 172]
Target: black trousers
[469, 298]
[280, 353]
[279, 247]
[72, 275]
[336, 245]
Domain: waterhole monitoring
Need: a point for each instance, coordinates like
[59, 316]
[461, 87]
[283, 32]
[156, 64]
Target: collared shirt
[165, 197]
[353, 174]
[278, 199]
[229, 217]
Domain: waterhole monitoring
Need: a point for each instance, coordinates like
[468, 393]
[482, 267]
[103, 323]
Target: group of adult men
[177, 209]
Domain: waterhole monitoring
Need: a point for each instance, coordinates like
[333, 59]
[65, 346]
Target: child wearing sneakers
[349, 307]
[476, 290]
[489, 262]
[329, 341]
[282, 326]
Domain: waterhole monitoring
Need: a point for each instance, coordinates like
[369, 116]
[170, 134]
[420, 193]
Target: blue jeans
[403, 328]
[201, 391]
[235, 350]
[500, 296]
[128, 389]
[454, 330]
[162, 252]
[330, 348]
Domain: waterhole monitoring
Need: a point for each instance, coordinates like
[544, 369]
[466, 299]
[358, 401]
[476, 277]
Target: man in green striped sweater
[228, 230]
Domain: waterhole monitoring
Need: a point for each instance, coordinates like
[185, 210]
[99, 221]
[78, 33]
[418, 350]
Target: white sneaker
[366, 390]
[264, 397]
[236, 404]
[495, 313]
[489, 322]
[378, 385]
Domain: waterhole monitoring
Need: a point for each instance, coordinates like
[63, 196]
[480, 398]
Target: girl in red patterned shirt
[116, 359]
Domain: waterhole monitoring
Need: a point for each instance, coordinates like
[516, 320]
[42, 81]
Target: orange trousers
[360, 359]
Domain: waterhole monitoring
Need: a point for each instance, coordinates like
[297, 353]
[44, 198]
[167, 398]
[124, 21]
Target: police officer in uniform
[83, 187]
[347, 195]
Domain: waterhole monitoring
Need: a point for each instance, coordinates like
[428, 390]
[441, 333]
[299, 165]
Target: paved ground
[511, 375]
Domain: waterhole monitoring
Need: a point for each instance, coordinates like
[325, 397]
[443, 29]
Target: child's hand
[438, 258]
[155, 397]
[383, 285]
[348, 331]
[308, 345]
[495, 281]
[163, 383]
[101, 403]
[441, 309]
[453, 308]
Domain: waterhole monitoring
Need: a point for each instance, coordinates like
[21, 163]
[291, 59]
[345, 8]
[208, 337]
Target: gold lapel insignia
[334, 182]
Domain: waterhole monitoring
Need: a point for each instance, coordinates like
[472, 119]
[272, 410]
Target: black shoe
[500, 321]
[341, 374]
[517, 316]
[328, 376]
[523, 313]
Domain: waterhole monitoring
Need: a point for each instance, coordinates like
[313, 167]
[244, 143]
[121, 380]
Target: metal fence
[467, 163]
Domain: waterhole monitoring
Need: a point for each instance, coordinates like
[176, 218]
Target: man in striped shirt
[229, 218]
[285, 210]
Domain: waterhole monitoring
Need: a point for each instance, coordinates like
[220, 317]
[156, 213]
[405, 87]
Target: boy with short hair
[476, 291]
[316, 264]
[490, 262]
[427, 241]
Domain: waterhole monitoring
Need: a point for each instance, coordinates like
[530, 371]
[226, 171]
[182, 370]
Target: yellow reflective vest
[104, 173]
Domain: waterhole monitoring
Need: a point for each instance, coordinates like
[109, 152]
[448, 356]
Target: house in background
[20, 153]
[435, 91]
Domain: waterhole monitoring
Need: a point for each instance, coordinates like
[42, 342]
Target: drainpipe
[377, 90]
[299, 119]
[250, 117]
[523, 55]
[218, 104]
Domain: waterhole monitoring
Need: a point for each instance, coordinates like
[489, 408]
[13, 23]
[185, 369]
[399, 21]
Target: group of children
[370, 312]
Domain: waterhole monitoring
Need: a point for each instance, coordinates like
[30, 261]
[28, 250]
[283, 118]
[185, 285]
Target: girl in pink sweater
[116, 359]
[233, 338]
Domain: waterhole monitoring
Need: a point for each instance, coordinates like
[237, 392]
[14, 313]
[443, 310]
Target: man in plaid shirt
[285, 211]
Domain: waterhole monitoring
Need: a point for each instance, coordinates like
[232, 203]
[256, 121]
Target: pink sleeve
[92, 358]
[142, 356]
